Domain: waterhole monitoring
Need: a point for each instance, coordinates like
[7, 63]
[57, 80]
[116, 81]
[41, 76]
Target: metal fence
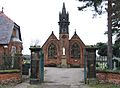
[101, 62]
[10, 62]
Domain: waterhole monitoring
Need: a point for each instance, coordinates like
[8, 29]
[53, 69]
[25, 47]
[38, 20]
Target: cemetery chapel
[64, 51]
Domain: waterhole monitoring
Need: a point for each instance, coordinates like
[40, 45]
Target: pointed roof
[63, 9]
[6, 28]
[52, 36]
[75, 36]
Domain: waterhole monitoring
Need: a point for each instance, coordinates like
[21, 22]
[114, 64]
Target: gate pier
[37, 65]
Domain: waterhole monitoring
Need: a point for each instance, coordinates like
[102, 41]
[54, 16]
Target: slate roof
[6, 28]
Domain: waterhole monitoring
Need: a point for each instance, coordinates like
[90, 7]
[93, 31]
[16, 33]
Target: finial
[63, 4]
[2, 9]
[75, 31]
[52, 32]
[64, 9]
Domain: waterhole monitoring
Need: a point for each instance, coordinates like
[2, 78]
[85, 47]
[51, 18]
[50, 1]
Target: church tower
[64, 33]
[63, 21]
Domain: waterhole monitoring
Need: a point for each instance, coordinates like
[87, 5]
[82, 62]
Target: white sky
[38, 18]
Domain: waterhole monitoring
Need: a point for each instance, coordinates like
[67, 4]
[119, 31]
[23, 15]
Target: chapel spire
[63, 21]
[63, 9]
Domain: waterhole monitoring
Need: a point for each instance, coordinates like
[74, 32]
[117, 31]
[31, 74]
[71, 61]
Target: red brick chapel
[64, 52]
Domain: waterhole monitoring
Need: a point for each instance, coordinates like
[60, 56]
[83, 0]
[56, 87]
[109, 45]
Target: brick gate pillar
[35, 67]
[91, 62]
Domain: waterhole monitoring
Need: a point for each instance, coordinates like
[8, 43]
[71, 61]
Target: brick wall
[7, 78]
[111, 77]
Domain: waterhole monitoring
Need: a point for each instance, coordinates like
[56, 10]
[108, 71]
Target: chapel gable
[76, 38]
[51, 38]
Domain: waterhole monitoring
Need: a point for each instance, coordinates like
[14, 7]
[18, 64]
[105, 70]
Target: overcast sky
[38, 18]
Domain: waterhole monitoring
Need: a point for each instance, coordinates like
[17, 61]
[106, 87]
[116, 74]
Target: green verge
[9, 71]
[104, 85]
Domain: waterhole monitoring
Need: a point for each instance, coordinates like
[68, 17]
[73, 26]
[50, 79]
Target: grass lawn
[104, 85]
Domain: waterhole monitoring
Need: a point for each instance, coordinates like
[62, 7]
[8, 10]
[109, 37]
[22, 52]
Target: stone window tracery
[52, 51]
[75, 51]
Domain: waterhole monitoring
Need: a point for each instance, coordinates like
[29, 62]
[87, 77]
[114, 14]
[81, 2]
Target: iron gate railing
[10, 62]
[101, 62]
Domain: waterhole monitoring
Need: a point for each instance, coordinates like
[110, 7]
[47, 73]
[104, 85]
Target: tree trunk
[109, 50]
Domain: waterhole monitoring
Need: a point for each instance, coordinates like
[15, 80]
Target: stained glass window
[75, 51]
[52, 51]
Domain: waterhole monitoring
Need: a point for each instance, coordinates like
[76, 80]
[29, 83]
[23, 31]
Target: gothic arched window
[75, 51]
[52, 51]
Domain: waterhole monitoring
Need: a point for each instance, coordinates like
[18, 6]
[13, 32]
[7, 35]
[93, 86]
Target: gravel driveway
[59, 78]
[65, 76]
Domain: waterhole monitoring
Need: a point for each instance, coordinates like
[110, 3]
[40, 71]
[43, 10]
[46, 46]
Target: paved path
[59, 78]
[65, 76]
